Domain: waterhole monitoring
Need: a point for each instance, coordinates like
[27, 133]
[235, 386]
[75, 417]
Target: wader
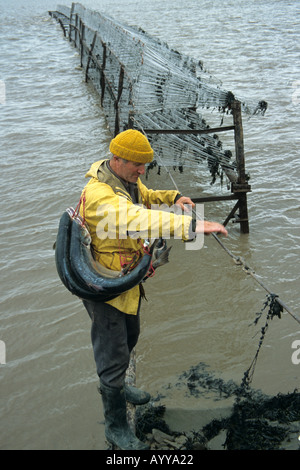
[114, 335]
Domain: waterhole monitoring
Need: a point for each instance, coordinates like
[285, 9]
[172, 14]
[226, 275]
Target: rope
[276, 305]
[77, 209]
[248, 270]
[237, 259]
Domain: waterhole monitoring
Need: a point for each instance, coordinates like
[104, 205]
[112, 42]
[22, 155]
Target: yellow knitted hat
[132, 145]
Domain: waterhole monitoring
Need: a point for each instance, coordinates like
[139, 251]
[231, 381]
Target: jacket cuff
[192, 231]
[178, 196]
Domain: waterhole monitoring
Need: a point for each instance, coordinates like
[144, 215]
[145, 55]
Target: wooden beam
[228, 197]
[231, 214]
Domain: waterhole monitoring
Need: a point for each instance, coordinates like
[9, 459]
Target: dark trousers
[114, 334]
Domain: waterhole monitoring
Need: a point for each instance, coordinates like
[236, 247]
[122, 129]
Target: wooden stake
[120, 89]
[90, 56]
[241, 187]
[70, 21]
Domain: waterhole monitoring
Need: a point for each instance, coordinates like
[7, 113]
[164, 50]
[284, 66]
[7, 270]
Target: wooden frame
[238, 181]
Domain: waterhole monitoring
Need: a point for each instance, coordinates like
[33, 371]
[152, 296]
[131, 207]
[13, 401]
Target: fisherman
[115, 194]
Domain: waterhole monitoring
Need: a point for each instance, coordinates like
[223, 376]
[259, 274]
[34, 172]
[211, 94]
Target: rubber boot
[136, 396]
[117, 429]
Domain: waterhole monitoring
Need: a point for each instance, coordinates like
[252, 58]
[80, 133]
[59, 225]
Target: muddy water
[199, 306]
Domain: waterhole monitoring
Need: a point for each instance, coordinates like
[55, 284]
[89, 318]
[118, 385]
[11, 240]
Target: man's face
[128, 171]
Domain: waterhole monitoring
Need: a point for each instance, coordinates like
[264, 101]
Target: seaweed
[257, 421]
[148, 418]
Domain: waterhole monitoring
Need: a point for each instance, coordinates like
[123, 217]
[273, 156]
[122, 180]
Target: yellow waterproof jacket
[118, 227]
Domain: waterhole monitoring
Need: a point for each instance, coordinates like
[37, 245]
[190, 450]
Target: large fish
[160, 253]
[62, 259]
[80, 273]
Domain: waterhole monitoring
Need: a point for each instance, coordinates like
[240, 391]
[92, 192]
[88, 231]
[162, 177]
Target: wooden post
[70, 21]
[239, 141]
[241, 187]
[82, 28]
[90, 56]
[120, 89]
[102, 77]
[76, 29]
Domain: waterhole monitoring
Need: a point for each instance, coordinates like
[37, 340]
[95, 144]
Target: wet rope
[248, 270]
[240, 261]
[237, 259]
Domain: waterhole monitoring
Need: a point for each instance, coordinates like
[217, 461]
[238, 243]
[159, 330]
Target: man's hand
[204, 226]
[183, 202]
